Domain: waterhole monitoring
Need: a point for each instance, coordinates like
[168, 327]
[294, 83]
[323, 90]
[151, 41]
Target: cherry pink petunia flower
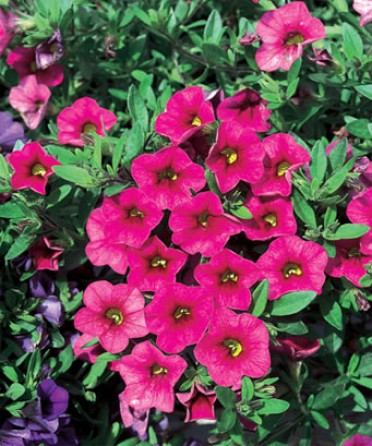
[186, 113]
[150, 377]
[359, 211]
[45, 255]
[296, 348]
[87, 354]
[283, 156]
[364, 7]
[179, 316]
[292, 264]
[349, 260]
[23, 61]
[84, 116]
[131, 216]
[228, 277]
[199, 403]
[284, 32]
[236, 345]
[32, 168]
[7, 22]
[30, 99]
[247, 108]
[237, 155]
[113, 313]
[358, 440]
[168, 176]
[101, 250]
[201, 226]
[154, 265]
[271, 217]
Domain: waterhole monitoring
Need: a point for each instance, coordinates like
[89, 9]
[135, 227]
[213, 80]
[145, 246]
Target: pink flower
[364, 7]
[168, 176]
[150, 376]
[236, 345]
[228, 277]
[154, 265]
[87, 354]
[30, 99]
[249, 39]
[186, 113]
[291, 264]
[283, 156]
[284, 32]
[45, 255]
[178, 315]
[138, 420]
[358, 440]
[349, 261]
[84, 116]
[296, 347]
[271, 217]
[32, 168]
[113, 313]
[101, 250]
[23, 61]
[131, 217]
[359, 211]
[237, 155]
[247, 108]
[199, 403]
[7, 21]
[321, 57]
[201, 226]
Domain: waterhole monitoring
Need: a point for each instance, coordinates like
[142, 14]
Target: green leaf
[272, 406]
[365, 382]
[247, 389]
[293, 328]
[337, 156]
[292, 303]
[360, 128]
[292, 87]
[348, 231]
[137, 108]
[259, 297]
[365, 365]
[303, 210]
[213, 28]
[353, 43]
[365, 90]
[21, 244]
[15, 391]
[11, 373]
[318, 164]
[294, 71]
[11, 210]
[330, 216]
[118, 151]
[328, 397]
[338, 179]
[134, 145]
[225, 396]
[226, 420]
[214, 54]
[76, 175]
[241, 212]
[320, 419]
[331, 311]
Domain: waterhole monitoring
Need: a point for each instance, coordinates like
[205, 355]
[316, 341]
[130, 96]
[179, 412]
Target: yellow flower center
[196, 121]
[294, 39]
[292, 269]
[158, 370]
[33, 67]
[202, 219]
[181, 312]
[158, 261]
[116, 315]
[271, 220]
[235, 347]
[282, 168]
[38, 170]
[354, 252]
[168, 174]
[53, 48]
[230, 154]
[89, 128]
[229, 276]
[136, 213]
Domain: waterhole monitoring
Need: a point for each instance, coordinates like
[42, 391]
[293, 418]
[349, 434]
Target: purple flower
[54, 399]
[39, 339]
[10, 132]
[50, 51]
[41, 285]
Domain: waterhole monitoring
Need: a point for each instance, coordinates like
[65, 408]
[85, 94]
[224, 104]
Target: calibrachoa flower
[113, 313]
[199, 403]
[87, 354]
[131, 216]
[236, 345]
[292, 264]
[271, 217]
[150, 376]
[32, 168]
[359, 211]
[45, 255]
[321, 57]
[50, 51]
[186, 113]
[54, 399]
[247, 108]
[168, 176]
[84, 116]
[179, 315]
[283, 156]
[23, 61]
[358, 440]
[138, 420]
[154, 265]
[284, 32]
[201, 226]
[228, 277]
[10, 132]
[296, 347]
[7, 21]
[30, 99]
[237, 155]
[364, 7]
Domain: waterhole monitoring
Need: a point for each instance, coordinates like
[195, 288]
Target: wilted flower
[50, 51]
[321, 57]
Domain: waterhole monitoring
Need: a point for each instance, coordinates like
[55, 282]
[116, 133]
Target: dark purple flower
[51, 309]
[321, 57]
[10, 132]
[41, 285]
[38, 339]
[54, 399]
[50, 51]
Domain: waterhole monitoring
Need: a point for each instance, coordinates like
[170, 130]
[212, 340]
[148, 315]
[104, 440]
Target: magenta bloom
[23, 61]
[349, 261]
[45, 255]
[6, 30]
[237, 155]
[283, 156]
[131, 217]
[84, 116]
[236, 345]
[247, 108]
[30, 99]
[357, 439]
[32, 168]
[199, 403]
[201, 226]
[271, 217]
[296, 348]
[101, 250]
[154, 265]
[284, 32]
[113, 313]
[364, 7]
[228, 277]
[359, 211]
[168, 176]
[150, 376]
[186, 113]
[291, 264]
[179, 315]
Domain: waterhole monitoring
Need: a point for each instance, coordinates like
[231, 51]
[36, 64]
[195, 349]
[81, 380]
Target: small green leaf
[225, 396]
[328, 397]
[226, 420]
[15, 391]
[348, 231]
[318, 165]
[360, 128]
[337, 156]
[272, 406]
[247, 389]
[213, 28]
[241, 212]
[259, 297]
[353, 43]
[365, 90]
[320, 419]
[76, 175]
[294, 71]
[303, 210]
[292, 303]
[137, 108]
[331, 311]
